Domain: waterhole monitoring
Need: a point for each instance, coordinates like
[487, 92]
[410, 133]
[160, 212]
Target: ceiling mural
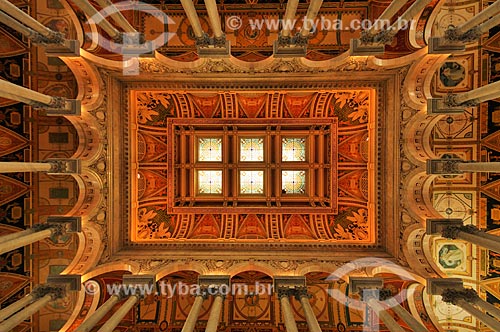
[352, 111]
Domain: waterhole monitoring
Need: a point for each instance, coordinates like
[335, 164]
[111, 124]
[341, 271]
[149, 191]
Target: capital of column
[382, 37]
[301, 292]
[57, 292]
[56, 102]
[450, 100]
[57, 229]
[64, 166]
[451, 232]
[380, 294]
[285, 292]
[453, 296]
[456, 35]
[52, 38]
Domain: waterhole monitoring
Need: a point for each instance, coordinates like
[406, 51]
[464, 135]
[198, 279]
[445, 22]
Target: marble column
[117, 317]
[39, 100]
[213, 16]
[43, 231]
[451, 166]
[47, 34]
[95, 16]
[213, 319]
[484, 15]
[454, 229]
[411, 321]
[15, 307]
[190, 10]
[53, 226]
[60, 166]
[288, 19]
[312, 13]
[94, 318]
[312, 321]
[370, 296]
[117, 16]
[43, 295]
[192, 317]
[286, 308]
[474, 97]
[452, 291]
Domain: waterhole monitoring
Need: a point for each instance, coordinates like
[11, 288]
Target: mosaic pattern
[251, 149]
[251, 182]
[293, 182]
[209, 149]
[293, 149]
[210, 182]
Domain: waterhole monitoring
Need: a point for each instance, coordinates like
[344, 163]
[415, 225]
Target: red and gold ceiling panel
[220, 165]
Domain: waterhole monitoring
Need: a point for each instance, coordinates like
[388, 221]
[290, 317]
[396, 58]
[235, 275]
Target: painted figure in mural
[450, 256]
[451, 74]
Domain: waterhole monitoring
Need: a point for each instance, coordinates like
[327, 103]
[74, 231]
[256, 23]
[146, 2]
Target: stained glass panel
[293, 149]
[251, 182]
[209, 149]
[210, 182]
[293, 182]
[251, 149]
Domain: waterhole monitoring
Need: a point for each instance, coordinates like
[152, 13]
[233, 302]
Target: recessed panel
[251, 149]
[209, 182]
[209, 149]
[293, 182]
[293, 149]
[251, 182]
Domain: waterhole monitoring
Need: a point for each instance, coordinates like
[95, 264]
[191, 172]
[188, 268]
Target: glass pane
[293, 149]
[210, 182]
[252, 149]
[210, 149]
[293, 182]
[251, 182]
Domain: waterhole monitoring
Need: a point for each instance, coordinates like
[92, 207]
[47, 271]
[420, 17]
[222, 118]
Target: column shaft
[312, 12]
[116, 15]
[14, 166]
[14, 24]
[192, 17]
[15, 320]
[290, 324]
[490, 11]
[412, 322]
[488, 307]
[26, 19]
[15, 235]
[93, 319]
[493, 167]
[384, 316]
[15, 307]
[481, 316]
[213, 319]
[312, 321]
[93, 13]
[22, 94]
[24, 240]
[192, 318]
[409, 14]
[484, 240]
[489, 24]
[117, 317]
[213, 16]
[483, 93]
[291, 10]
[386, 15]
